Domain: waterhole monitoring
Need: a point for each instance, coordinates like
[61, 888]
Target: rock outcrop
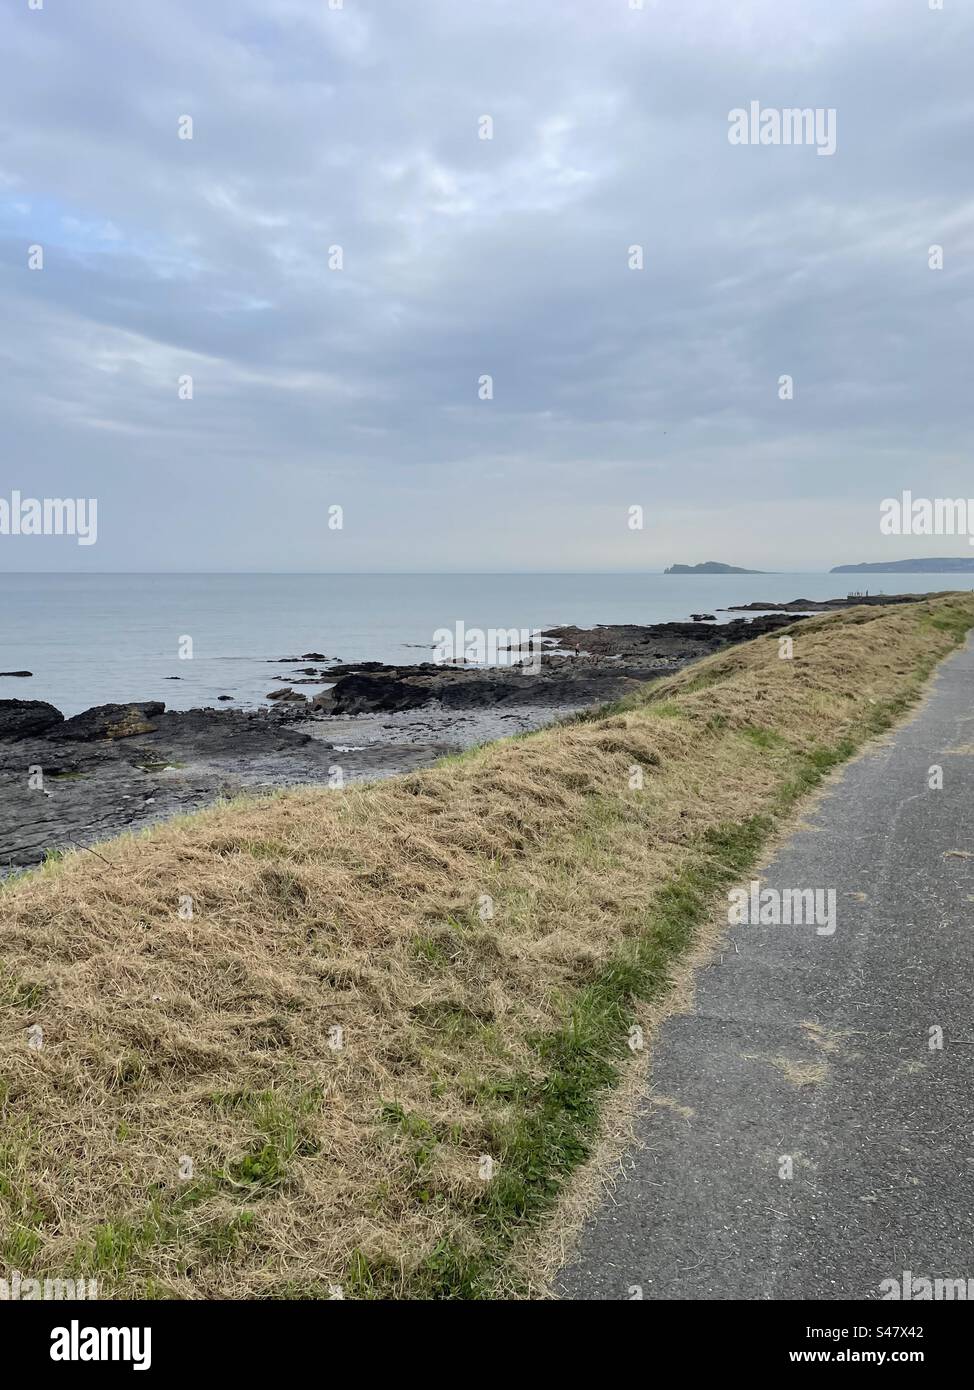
[27, 718]
[112, 721]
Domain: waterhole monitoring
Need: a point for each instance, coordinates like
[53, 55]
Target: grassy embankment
[463, 1034]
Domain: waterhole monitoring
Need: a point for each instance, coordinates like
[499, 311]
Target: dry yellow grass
[444, 923]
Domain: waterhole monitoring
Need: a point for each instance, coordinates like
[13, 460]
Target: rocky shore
[826, 605]
[74, 782]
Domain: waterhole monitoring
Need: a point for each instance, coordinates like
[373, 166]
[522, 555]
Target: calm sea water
[91, 639]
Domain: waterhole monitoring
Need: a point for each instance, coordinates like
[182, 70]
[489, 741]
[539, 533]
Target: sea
[96, 638]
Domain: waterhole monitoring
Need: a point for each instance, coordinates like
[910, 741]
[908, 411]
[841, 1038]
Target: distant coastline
[947, 564]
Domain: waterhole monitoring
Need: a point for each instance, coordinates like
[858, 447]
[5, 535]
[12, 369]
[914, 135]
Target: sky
[464, 258]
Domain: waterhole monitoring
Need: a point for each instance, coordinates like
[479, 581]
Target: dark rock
[363, 694]
[112, 721]
[286, 694]
[811, 605]
[224, 697]
[558, 683]
[27, 718]
[308, 656]
[608, 661]
[355, 668]
[99, 787]
[678, 641]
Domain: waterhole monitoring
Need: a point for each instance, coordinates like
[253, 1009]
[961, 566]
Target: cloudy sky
[463, 257]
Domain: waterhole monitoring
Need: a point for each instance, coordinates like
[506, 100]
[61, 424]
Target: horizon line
[353, 574]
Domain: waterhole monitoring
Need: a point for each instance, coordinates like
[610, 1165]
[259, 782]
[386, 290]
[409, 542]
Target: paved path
[817, 1047]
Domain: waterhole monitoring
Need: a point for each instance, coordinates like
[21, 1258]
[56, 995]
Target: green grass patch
[764, 738]
[20, 994]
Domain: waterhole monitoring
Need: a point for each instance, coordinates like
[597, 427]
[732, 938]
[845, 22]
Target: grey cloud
[464, 257]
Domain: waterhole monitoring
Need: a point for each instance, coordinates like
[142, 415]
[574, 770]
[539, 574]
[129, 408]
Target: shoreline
[98, 640]
[77, 782]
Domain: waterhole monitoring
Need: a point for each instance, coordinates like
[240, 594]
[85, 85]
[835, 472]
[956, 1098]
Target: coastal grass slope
[378, 1047]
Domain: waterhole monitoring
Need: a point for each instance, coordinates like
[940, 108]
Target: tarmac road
[818, 1048]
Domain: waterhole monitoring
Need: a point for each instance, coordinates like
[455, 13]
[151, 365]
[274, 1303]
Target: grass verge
[377, 1047]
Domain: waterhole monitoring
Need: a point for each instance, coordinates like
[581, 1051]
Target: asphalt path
[808, 1131]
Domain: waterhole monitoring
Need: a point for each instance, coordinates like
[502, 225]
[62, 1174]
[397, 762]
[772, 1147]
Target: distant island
[710, 567]
[946, 564]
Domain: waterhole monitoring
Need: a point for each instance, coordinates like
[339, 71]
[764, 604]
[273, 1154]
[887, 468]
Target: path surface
[817, 1048]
